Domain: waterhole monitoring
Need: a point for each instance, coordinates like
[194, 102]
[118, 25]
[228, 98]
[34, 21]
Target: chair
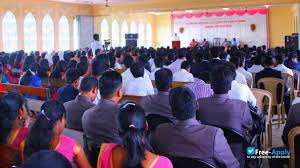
[155, 120]
[136, 99]
[260, 97]
[250, 83]
[121, 70]
[271, 85]
[289, 81]
[297, 85]
[293, 136]
[253, 78]
[9, 156]
[182, 162]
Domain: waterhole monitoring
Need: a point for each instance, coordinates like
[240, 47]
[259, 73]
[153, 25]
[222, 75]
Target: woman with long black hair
[30, 77]
[46, 133]
[134, 151]
[44, 68]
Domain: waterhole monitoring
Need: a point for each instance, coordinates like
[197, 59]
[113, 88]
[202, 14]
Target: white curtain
[30, 34]
[9, 32]
[115, 34]
[64, 35]
[48, 33]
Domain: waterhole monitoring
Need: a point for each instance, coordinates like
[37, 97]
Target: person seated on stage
[75, 108]
[46, 134]
[226, 43]
[47, 159]
[201, 87]
[138, 86]
[257, 66]
[133, 150]
[69, 91]
[219, 110]
[193, 44]
[184, 75]
[189, 138]
[159, 103]
[204, 44]
[176, 65]
[13, 117]
[159, 63]
[235, 60]
[235, 43]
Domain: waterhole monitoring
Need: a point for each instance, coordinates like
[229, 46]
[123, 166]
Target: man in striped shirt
[201, 87]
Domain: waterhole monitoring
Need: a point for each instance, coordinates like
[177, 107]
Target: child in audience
[134, 150]
[46, 133]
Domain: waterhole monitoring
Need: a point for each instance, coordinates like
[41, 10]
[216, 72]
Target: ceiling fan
[106, 4]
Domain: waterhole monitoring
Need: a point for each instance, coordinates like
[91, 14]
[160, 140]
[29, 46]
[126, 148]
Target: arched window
[124, 30]
[133, 27]
[48, 33]
[30, 34]
[76, 34]
[104, 30]
[149, 35]
[115, 37]
[64, 35]
[9, 32]
[141, 41]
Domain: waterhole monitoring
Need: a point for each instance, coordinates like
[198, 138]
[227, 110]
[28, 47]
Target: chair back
[136, 99]
[9, 156]
[253, 77]
[155, 120]
[271, 85]
[297, 74]
[294, 145]
[289, 81]
[182, 162]
[57, 82]
[27, 90]
[260, 97]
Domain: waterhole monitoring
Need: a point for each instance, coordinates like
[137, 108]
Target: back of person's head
[235, 60]
[96, 37]
[99, 66]
[159, 62]
[242, 60]
[47, 159]
[11, 106]
[221, 78]
[50, 122]
[183, 103]
[137, 69]
[199, 57]
[28, 62]
[279, 58]
[163, 79]
[186, 65]
[128, 61]
[72, 64]
[60, 68]
[83, 59]
[82, 67]
[257, 60]
[109, 84]
[27, 76]
[88, 84]
[181, 54]
[268, 61]
[204, 76]
[132, 127]
[72, 75]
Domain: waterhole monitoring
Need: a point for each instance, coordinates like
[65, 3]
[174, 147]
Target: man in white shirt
[256, 67]
[241, 92]
[159, 63]
[235, 43]
[138, 86]
[280, 66]
[235, 60]
[184, 75]
[96, 45]
[241, 70]
[175, 37]
[176, 65]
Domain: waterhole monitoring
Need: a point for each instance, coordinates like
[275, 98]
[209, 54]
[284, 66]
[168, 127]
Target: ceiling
[95, 1]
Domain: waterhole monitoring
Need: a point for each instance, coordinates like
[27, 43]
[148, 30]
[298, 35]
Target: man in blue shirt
[70, 91]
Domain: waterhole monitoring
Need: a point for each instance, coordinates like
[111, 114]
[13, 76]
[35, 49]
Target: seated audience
[69, 91]
[138, 86]
[99, 122]
[279, 66]
[82, 68]
[184, 75]
[46, 133]
[257, 66]
[159, 103]
[59, 70]
[200, 65]
[292, 62]
[201, 86]
[176, 65]
[30, 77]
[215, 58]
[235, 60]
[221, 111]
[75, 108]
[268, 70]
[133, 150]
[241, 69]
[44, 68]
[188, 137]
[47, 159]
[159, 63]
[13, 117]
[3, 78]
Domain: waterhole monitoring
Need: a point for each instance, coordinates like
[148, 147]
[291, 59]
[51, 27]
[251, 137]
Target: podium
[176, 44]
[131, 40]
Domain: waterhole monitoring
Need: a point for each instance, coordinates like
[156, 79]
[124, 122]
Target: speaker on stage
[131, 40]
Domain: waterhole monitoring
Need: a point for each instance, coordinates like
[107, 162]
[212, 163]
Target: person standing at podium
[175, 37]
[96, 45]
[175, 41]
